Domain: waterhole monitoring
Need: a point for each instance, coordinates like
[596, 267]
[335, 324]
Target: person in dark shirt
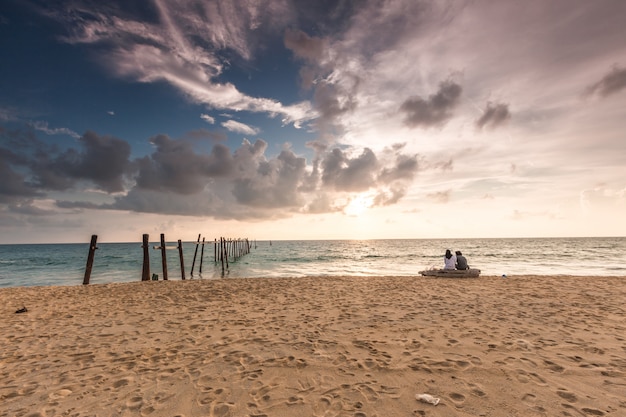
[461, 261]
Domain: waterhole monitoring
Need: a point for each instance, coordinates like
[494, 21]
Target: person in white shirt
[449, 260]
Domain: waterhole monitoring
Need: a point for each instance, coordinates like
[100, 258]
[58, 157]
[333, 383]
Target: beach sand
[332, 346]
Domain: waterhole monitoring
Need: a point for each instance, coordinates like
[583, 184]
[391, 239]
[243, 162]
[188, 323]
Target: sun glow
[358, 205]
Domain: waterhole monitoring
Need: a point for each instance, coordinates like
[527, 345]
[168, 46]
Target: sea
[65, 264]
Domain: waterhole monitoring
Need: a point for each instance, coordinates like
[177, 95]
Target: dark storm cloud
[304, 46]
[494, 114]
[180, 179]
[331, 103]
[14, 164]
[176, 167]
[395, 177]
[13, 185]
[243, 185]
[389, 197]
[345, 174]
[102, 160]
[611, 83]
[405, 168]
[275, 184]
[434, 111]
[252, 186]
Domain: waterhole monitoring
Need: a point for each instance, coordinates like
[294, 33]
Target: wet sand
[347, 346]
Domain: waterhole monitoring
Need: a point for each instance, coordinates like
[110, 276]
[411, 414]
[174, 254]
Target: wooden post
[182, 263]
[163, 257]
[222, 253]
[92, 251]
[226, 253]
[201, 256]
[193, 263]
[145, 272]
[215, 249]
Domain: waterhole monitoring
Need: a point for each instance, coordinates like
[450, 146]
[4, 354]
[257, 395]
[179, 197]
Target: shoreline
[317, 346]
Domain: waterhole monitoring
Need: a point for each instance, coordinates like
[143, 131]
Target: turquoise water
[64, 264]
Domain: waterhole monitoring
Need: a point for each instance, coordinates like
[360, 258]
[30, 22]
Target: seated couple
[457, 261]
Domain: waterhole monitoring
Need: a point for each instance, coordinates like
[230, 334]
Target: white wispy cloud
[175, 49]
[43, 127]
[239, 127]
[207, 118]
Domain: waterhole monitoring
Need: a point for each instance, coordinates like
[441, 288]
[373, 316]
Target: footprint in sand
[122, 382]
[457, 399]
[368, 392]
[328, 406]
[525, 377]
[592, 412]
[567, 396]
[529, 399]
[553, 366]
[585, 411]
[62, 393]
[134, 403]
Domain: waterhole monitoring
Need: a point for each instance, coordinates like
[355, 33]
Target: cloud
[43, 126]
[102, 160]
[239, 127]
[436, 110]
[611, 83]
[441, 197]
[176, 168]
[304, 46]
[493, 115]
[13, 186]
[275, 183]
[199, 134]
[183, 44]
[331, 101]
[207, 118]
[349, 174]
[178, 179]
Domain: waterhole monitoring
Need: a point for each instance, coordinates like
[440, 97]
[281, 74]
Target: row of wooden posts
[224, 251]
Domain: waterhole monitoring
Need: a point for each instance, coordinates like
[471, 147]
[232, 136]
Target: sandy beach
[348, 346]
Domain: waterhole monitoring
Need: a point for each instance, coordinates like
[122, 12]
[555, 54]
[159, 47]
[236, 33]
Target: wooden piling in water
[90, 256]
[163, 257]
[222, 253]
[201, 256]
[145, 272]
[193, 263]
[226, 253]
[182, 262]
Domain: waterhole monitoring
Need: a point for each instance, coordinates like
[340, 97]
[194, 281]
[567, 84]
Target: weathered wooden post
[215, 249]
[145, 272]
[193, 263]
[226, 253]
[163, 257]
[201, 256]
[180, 255]
[222, 253]
[92, 251]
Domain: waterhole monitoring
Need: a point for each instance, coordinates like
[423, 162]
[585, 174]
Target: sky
[298, 119]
